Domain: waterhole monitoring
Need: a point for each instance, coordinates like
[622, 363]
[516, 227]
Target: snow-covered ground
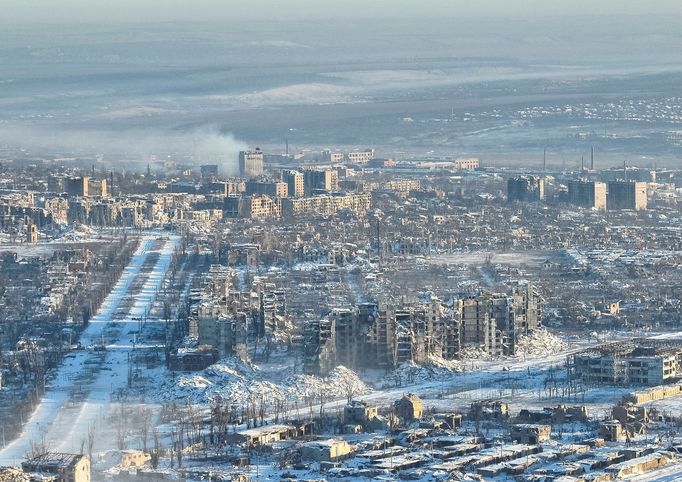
[669, 473]
[237, 382]
[79, 394]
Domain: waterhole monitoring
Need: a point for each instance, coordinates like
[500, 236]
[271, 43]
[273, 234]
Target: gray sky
[67, 11]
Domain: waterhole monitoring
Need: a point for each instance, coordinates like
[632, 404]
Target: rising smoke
[206, 145]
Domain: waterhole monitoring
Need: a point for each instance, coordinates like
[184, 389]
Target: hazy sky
[63, 11]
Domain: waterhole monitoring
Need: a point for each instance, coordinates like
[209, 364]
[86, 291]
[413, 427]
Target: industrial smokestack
[592, 159]
[544, 159]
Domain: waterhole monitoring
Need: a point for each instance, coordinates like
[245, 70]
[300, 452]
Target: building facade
[525, 189]
[251, 163]
[627, 195]
[587, 194]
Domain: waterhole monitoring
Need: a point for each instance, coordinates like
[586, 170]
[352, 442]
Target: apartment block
[627, 195]
[587, 194]
[251, 163]
[525, 189]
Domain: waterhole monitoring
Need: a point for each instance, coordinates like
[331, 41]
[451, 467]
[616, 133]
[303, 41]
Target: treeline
[39, 345]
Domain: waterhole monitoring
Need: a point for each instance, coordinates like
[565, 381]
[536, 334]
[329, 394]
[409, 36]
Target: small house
[409, 408]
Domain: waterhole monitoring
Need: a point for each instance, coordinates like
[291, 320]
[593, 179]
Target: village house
[65, 467]
[331, 450]
[530, 433]
[409, 407]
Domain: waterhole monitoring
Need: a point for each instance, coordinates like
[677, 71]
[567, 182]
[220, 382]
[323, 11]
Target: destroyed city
[431, 240]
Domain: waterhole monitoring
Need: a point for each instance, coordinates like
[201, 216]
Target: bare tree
[145, 423]
[349, 388]
[156, 452]
[91, 440]
[37, 448]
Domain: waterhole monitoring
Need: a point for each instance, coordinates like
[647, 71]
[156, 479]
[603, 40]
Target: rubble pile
[540, 342]
[237, 381]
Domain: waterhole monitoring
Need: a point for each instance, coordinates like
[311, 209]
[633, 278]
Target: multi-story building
[478, 328]
[209, 172]
[272, 310]
[348, 346]
[332, 157]
[324, 205]
[320, 181]
[251, 163]
[259, 207]
[627, 195]
[31, 233]
[269, 187]
[587, 194]
[58, 208]
[626, 364]
[295, 183]
[401, 185]
[319, 346]
[360, 157]
[56, 183]
[525, 189]
[528, 308]
[97, 187]
[222, 329]
[79, 211]
[384, 335]
[105, 214]
[78, 186]
[467, 164]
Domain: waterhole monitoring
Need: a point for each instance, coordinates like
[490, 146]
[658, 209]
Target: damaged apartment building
[638, 363]
[386, 334]
[492, 322]
[229, 320]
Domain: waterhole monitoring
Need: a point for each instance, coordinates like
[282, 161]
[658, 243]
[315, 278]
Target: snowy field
[79, 394]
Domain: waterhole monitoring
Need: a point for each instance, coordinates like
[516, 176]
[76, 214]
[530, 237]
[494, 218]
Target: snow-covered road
[79, 394]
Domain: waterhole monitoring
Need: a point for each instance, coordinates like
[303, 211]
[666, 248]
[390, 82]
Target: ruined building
[384, 335]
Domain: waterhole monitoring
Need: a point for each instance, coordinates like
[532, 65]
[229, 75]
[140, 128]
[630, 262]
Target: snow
[669, 473]
[237, 382]
[78, 395]
[540, 342]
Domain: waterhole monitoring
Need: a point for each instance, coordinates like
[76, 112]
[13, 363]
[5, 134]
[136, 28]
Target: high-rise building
[251, 163]
[525, 189]
[78, 186]
[587, 194]
[295, 183]
[627, 195]
[478, 328]
[56, 183]
[98, 187]
[320, 180]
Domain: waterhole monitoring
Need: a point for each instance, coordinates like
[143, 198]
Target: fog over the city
[70, 11]
[134, 79]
